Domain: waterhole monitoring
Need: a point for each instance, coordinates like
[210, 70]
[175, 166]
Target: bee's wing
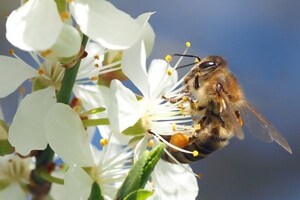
[261, 128]
[229, 116]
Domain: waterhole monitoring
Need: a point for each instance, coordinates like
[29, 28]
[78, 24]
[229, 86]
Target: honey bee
[218, 106]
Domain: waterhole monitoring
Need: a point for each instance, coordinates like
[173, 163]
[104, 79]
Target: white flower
[108, 168]
[27, 133]
[105, 24]
[37, 26]
[156, 114]
[14, 176]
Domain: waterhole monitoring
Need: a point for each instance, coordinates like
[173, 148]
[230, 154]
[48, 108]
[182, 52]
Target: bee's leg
[177, 99]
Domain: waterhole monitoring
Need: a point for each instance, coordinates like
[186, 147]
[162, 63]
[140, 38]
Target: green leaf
[140, 194]
[95, 122]
[95, 192]
[5, 148]
[136, 129]
[140, 172]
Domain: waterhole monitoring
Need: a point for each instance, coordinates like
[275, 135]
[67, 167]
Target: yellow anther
[150, 143]
[174, 127]
[180, 106]
[41, 71]
[195, 153]
[184, 99]
[170, 71]
[94, 78]
[46, 53]
[168, 58]
[197, 60]
[77, 109]
[64, 16]
[198, 127]
[104, 142]
[22, 90]
[11, 51]
[96, 57]
[187, 44]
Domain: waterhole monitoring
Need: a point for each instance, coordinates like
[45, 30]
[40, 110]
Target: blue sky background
[261, 41]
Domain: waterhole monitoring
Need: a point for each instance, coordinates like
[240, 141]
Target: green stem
[45, 157]
[69, 78]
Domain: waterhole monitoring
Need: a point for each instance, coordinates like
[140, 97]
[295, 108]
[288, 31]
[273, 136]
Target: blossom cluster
[85, 52]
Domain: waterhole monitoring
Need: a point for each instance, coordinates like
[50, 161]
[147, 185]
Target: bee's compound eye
[208, 64]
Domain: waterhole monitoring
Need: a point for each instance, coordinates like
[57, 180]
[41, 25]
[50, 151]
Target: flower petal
[124, 109]
[134, 66]
[34, 26]
[105, 24]
[174, 182]
[26, 132]
[78, 183]
[13, 73]
[158, 78]
[62, 124]
[68, 43]
[148, 35]
[13, 191]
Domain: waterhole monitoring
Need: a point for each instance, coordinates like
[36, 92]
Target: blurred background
[261, 41]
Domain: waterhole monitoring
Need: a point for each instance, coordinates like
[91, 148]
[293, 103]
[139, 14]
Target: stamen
[150, 143]
[94, 78]
[41, 71]
[46, 53]
[11, 52]
[64, 16]
[198, 127]
[168, 58]
[170, 71]
[174, 127]
[184, 99]
[188, 44]
[96, 57]
[195, 153]
[22, 90]
[104, 142]
[96, 65]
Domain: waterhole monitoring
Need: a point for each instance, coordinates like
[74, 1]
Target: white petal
[13, 73]
[93, 96]
[158, 79]
[78, 183]
[105, 24]
[68, 43]
[124, 109]
[34, 26]
[13, 191]
[26, 132]
[67, 136]
[148, 35]
[134, 66]
[174, 182]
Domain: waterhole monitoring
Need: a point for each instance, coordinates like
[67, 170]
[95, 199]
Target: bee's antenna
[198, 59]
[187, 65]
[188, 55]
